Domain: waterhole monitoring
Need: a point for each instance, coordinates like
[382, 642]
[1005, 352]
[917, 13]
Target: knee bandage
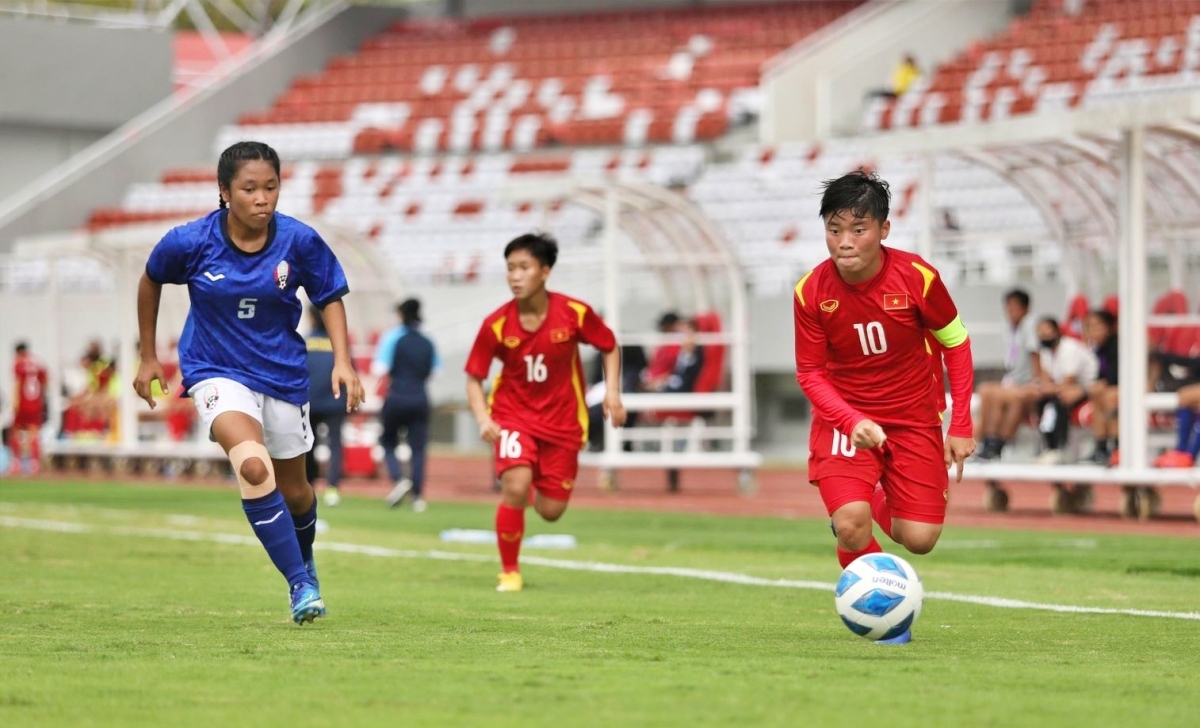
[238, 455]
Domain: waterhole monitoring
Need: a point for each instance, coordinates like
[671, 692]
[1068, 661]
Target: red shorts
[554, 466]
[28, 417]
[910, 466]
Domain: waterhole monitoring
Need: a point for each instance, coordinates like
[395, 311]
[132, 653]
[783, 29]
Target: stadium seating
[630, 78]
[1112, 51]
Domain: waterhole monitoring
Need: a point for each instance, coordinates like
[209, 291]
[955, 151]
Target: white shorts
[286, 429]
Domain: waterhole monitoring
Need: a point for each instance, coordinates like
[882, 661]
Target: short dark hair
[233, 158]
[1105, 316]
[1019, 295]
[861, 193]
[668, 319]
[410, 311]
[1052, 321]
[21, 347]
[542, 246]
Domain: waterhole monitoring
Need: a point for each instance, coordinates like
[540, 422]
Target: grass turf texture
[104, 629]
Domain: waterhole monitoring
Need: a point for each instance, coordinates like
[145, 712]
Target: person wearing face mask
[1069, 366]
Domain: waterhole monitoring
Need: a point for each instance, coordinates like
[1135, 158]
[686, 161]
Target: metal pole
[55, 366]
[740, 381]
[612, 291]
[1131, 250]
[925, 208]
[127, 306]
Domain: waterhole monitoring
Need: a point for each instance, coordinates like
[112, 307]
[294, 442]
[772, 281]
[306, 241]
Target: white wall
[817, 89]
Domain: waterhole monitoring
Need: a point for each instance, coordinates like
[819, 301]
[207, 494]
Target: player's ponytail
[233, 157]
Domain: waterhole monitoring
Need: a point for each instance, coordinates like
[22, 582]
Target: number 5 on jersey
[535, 369]
[510, 444]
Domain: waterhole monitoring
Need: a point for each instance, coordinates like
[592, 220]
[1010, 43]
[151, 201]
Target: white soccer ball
[879, 596]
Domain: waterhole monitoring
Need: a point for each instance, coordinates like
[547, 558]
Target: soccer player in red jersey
[30, 389]
[873, 326]
[535, 416]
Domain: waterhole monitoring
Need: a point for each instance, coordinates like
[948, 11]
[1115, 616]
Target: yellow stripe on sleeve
[952, 334]
[580, 310]
[928, 275]
[800, 286]
[498, 328]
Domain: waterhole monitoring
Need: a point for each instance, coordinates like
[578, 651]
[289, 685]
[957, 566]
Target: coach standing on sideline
[411, 362]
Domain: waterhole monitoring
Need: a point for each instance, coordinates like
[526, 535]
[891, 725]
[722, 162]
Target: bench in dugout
[683, 430]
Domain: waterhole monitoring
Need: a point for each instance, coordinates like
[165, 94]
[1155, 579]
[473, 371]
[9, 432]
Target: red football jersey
[31, 384]
[862, 349]
[540, 387]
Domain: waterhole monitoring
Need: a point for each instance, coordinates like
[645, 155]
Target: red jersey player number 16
[874, 326]
[535, 416]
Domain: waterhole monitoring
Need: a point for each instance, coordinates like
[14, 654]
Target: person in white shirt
[1069, 366]
[1004, 405]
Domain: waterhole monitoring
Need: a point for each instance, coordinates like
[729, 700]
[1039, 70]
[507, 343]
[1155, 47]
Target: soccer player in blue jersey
[243, 362]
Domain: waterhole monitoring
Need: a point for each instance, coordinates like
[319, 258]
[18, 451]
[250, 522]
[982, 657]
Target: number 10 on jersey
[870, 336]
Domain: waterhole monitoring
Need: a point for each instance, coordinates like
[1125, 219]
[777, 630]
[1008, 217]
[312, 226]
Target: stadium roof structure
[1127, 178]
[690, 259]
[122, 251]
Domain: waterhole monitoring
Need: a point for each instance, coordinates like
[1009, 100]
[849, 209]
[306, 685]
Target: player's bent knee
[252, 466]
[920, 541]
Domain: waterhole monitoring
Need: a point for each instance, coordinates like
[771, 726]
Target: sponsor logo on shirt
[895, 301]
[559, 336]
[281, 274]
[512, 342]
[829, 306]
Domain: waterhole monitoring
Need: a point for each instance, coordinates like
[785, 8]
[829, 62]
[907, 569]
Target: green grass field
[136, 611]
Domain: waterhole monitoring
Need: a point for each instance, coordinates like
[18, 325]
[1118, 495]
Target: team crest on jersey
[558, 336]
[895, 301]
[281, 274]
[829, 306]
[512, 342]
[210, 397]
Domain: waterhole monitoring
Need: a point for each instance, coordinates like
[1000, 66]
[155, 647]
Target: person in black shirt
[1100, 328]
[324, 411]
[407, 407]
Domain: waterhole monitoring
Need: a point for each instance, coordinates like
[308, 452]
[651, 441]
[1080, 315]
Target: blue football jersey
[245, 311]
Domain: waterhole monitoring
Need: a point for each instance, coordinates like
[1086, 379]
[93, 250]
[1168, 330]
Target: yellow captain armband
[952, 334]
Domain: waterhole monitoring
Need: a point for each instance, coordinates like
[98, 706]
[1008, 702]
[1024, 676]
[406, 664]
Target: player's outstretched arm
[149, 297]
[613, 409]
[489, 431]
[343, 376]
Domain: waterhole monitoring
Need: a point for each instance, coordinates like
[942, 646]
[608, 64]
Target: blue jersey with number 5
[244, 314]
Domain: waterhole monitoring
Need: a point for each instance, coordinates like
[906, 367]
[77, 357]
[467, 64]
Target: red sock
[846, 557]
[510, 528]
[35, 446]
[881, 511]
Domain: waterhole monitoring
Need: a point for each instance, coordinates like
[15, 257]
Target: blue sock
[1185, 419]
[269, 518]
[306, 530]
[1193, 447]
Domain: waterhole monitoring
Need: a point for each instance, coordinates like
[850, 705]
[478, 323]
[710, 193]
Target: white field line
[724, 577]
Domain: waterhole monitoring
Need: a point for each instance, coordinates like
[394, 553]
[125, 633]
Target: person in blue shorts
[242, 359]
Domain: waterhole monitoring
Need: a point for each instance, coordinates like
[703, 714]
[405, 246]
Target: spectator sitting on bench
[1101, 332]
[1068, 368]
[1004, 404]
[1181, 373]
